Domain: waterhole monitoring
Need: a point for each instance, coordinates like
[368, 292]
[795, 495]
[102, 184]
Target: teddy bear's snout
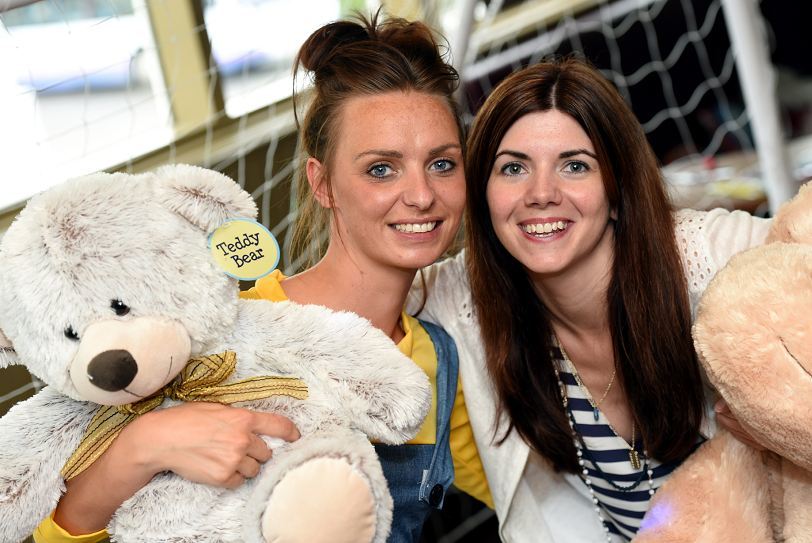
[112, 370]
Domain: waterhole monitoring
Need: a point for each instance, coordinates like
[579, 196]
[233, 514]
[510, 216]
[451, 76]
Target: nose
[418, 191]
[112, 370]
[542, 190]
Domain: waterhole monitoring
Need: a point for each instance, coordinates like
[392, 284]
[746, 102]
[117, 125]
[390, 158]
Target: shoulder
[706, 240]
[442, 295]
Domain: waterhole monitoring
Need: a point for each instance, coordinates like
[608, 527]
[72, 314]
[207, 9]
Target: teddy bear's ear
[8, 356]
[203, 197]
[793, 222]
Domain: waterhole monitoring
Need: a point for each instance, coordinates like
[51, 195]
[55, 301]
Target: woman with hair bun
[381, 178]
[571, 307]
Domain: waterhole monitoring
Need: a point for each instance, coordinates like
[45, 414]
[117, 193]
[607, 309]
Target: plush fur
[142, 240]
[752, 334]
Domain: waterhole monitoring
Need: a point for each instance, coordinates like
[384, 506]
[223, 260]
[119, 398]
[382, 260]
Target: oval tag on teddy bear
[244, 248]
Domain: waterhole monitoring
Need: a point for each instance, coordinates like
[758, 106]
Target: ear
[793, 222]
[8, 356]
[204, 197]
[317, 178]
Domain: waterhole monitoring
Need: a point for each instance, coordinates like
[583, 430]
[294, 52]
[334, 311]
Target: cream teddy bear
[753, 334]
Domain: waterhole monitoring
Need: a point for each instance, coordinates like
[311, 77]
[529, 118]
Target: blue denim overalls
[419, 475]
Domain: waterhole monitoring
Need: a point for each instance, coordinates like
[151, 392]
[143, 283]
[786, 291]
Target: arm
[206, 443]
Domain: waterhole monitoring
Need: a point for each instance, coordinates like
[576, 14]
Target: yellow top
[469, 476]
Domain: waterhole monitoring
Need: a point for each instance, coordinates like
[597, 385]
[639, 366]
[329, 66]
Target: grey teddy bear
[112, 263]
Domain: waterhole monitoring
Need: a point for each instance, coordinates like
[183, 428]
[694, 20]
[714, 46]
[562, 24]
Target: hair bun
[319, 48]
[413, 38]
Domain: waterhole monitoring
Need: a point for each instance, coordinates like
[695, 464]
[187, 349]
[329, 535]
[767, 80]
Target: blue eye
[380, 170]
[576, 166]
[512, 168]
[443, 165]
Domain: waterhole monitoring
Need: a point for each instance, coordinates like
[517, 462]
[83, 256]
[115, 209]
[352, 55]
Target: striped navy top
[622, 511]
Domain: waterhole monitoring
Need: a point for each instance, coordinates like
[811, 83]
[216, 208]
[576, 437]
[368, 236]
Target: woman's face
[547, 200]
[397, 179]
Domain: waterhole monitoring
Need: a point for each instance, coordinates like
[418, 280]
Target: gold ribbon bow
[200, 381]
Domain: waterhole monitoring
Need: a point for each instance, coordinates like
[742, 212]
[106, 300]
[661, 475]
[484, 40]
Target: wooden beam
[184, 52]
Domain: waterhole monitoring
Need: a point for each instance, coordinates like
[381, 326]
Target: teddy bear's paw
[323, 500]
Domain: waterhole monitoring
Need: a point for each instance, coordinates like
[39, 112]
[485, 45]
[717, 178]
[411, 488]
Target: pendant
[595, 413]
[634, 458]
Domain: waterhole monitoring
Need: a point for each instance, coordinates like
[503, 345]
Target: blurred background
[723, 89]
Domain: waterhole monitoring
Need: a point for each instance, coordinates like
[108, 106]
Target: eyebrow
[575, 152]
[379, 152]
[515, 154]
[397, 154]
[442, 148]
[563, 154]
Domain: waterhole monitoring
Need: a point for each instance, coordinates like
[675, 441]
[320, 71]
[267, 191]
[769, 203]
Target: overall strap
[440, 473]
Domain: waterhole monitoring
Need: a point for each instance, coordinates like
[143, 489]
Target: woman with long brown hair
[571, 307]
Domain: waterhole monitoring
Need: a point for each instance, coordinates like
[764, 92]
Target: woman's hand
[207, 442]
[203, 442]
[728, 421]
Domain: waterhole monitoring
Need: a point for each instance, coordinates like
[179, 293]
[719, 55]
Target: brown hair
[647, 300]
[357, 58]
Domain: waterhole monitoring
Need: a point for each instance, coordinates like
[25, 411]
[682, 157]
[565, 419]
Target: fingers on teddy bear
[108, 287]
[752, 334]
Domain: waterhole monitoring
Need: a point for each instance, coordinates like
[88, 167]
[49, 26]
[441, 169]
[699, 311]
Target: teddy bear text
[240, 259]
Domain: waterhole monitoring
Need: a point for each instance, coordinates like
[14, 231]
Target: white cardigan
[533, 503]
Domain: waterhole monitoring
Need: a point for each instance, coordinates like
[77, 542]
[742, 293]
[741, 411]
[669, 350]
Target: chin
[418, 261]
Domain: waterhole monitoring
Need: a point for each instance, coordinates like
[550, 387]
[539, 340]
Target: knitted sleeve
[707, 239]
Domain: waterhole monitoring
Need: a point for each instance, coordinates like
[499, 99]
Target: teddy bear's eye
[71, 334]
[119, 307]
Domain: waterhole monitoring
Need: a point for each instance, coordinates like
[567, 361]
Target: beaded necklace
[583, 452]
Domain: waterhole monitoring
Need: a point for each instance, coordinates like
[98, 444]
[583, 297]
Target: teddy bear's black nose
[112, 370]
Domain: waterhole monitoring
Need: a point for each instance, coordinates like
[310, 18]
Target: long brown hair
[647, 300]
[359, 58]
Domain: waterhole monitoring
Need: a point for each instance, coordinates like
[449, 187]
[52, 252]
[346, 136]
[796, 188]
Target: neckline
[572, 369]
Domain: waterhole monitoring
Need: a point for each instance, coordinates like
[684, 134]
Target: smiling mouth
[793, 357]
[545, 228]
[417, 227]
